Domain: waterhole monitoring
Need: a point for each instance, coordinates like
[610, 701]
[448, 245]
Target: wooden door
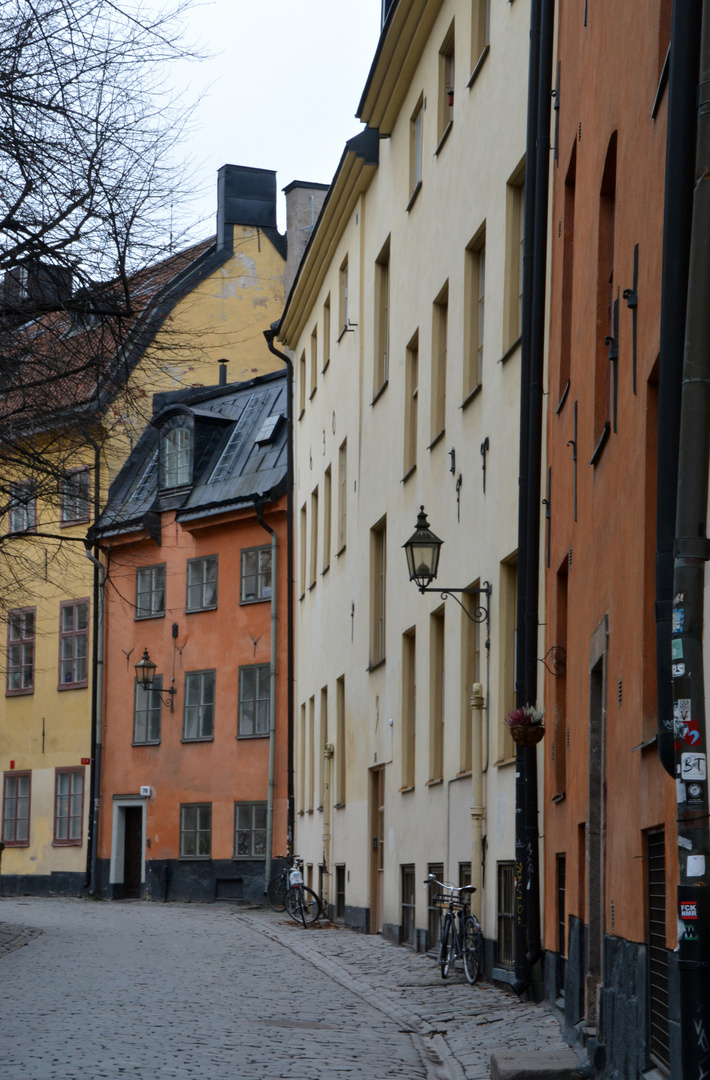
[132, 852]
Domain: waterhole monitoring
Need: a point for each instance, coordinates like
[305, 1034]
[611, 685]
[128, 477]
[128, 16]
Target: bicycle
[301, 903]
[463, 942]
[279, 884]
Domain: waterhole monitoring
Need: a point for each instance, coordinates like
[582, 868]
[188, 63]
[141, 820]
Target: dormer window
[176, 458]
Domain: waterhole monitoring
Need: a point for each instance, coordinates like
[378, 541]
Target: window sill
[142, 618]
[325, 570]
[377, 664]
[404, 790]
[413, 196]
[559, 798]
[311, 586]
[463, 774]
[436, 439]
[152, 742]
[302, 596]
[341, 335]
[510, 350]
[72, 686]
[474, 394]
[434, 781]
[17, 843]
[251, 858]
[258, 735]
[194, 858]
[73, 522]
[380, 392]
[479, 64]
[313, 393]
[301, 414]
[19, 693]
[594, 459]
[199, 739]
[444, 137]
[256, 600]
[504, 761]
[67, 843]
[197, 610]
[339, 806]
[340, 551]
[325, 367]
[410, 472]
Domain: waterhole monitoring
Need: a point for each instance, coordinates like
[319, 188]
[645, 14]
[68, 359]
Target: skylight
[236, 440]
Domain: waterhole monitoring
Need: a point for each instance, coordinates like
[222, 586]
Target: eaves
[400, 49]
[353, 176]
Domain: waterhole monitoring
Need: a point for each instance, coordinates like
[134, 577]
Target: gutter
[269, 335]
[259, 510]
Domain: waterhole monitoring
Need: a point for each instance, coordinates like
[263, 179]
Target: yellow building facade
[200, 316]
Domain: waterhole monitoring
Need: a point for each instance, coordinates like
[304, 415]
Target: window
[378, 591]
[150, 591]
[302, 762]
[23, 507]
[304, 549]
[249, 830]
[198, 719]
[437, 685]
[475, 310]
[302, 385]
[311, 752]
[408, 904]
[74, 492]
[447, 71]
[343, 495]
[411, 404]
[409, 708]
[73, 644]
[176, 463]
[16, 809]
[471, 671]
[68, 806]
[314, 360]
[344, 296]
[606, 292]
[20, 651]
[326, 332]
[507, 631]
[256, 574]
[480, 31]
[195, 830]
[201, 584]
[438, 363]
[506, 914]
[416, 127]
[314, 538]
[327, 512]
[515, 243]
[340, 747]
[559, 742]
[382, 318]
[567, 274]
[323, 742]
[146, 713]
[254, 700]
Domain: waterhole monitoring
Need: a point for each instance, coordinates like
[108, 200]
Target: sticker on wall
[689, 909]
[677, 648]
[678, 599]
[696, 865]
[679, 791]
[693, 766]
[678, 670]
[684, 842]
[678, 620]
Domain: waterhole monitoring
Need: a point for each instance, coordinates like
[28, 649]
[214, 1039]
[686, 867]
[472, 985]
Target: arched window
[175, 458]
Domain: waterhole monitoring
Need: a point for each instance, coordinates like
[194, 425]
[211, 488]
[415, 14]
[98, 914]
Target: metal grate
[434, 911]
[657, 952]
[506, 915]
[340, 892]
[408, 904]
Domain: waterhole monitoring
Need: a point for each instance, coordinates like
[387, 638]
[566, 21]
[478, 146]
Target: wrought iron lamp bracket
[480, 613]
[168, 701]
[557, 656]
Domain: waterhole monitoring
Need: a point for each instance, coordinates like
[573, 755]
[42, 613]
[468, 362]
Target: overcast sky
[281, 88]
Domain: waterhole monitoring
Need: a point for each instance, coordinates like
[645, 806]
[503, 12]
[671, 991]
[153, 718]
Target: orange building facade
[610, 836]
[187, 810]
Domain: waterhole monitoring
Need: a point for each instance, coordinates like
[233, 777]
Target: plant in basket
[526, 725]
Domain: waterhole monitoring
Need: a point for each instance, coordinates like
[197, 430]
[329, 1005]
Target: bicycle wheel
[276, 892]
[446, 946]
[471, 949]
[302, 904]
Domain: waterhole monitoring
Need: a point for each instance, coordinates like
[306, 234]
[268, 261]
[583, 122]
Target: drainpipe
[692, 550]
[97, 721]
[477, 808]
[677, 222]
[527, 889]
[259, 508]
[269, 335]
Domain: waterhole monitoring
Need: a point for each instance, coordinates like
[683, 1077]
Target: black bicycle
[286, 892]
[279, 884]
[461, 936]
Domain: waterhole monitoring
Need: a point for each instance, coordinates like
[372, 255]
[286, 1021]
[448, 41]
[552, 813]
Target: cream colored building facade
[404, 323]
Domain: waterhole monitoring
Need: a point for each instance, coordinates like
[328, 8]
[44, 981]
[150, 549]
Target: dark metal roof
[230, 469]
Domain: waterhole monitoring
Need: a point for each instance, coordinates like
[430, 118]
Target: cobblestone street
[139, 990]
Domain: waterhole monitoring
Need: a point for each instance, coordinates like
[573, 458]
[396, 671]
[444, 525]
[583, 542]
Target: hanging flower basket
[526, 725]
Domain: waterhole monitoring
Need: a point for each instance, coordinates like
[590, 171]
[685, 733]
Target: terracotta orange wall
[608, 82]
[225, 769]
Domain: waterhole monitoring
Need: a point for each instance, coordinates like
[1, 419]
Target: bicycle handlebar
[431, 880]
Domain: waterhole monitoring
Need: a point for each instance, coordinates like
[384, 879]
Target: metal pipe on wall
[259, 510]
[477, 807]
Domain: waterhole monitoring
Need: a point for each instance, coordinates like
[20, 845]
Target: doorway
[132, 852]
[377, 849]
[596, 841]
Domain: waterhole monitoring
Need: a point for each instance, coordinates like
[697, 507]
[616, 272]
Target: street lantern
[423, 549]
[145, 673]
